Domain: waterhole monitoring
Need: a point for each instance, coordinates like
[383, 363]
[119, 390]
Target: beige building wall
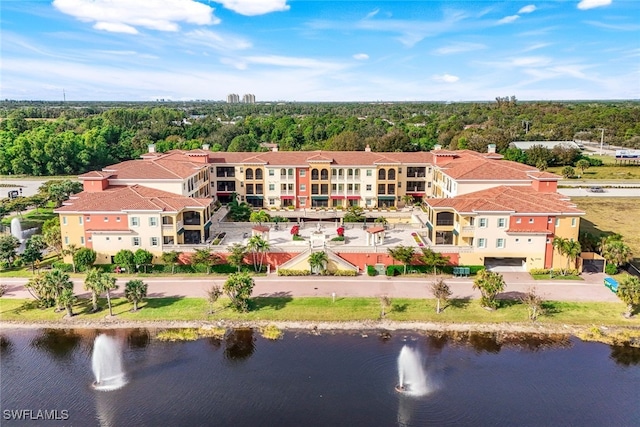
[172, 186]
[567, 227]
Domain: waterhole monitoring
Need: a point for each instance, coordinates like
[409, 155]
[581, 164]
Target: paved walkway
[590, 289]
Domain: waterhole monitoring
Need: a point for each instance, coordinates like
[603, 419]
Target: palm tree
[572, 250]
[559, 244]
[436, 259]
[259, 217]
[109, 284]
[402, 254]
[57, 281]
[258, 247]
[317, 261]
[172, 258]
[135, 291]
[93, 283]
[617, 252]
[71, 250]
[629, 293]
[66, 299]
[407, 199]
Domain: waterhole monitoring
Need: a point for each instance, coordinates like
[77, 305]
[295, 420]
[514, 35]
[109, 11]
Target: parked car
[596, 189]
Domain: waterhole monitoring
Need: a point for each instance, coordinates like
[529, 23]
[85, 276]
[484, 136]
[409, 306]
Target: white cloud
[361, 56]
[454, 48]
[372, 13]
[446, 78]
[254, 7]
[527, 9]
[216, 40]
[530, 61]
[126, 16]
[590, 4]
[509, 19]
[536, 47]
[294, 62]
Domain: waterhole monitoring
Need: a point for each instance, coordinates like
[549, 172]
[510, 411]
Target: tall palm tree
[66, 299]
[57, 281]
[559, 244]
[135, 291]
[93, 283]
[108, 284]
[617, 252]
[407, 199]
[71, 250]
[258, 248]
[318, 261]
[572, 250]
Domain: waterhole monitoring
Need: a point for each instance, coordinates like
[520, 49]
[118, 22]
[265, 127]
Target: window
[399, 170]
[549, 221]
[557, 222]
[106, 219]
[107, 238]
[501, 223]
[272, 202]
[66, 240]
[64, 220]
[573, 222]
[499, 243]
[303, 172]
[530, 220]
[368, 187]
[482, 223]
[153, 221]
[518, 220]
[80, 220]
[117, 219]
[529, 240]
[482, 243]
[135, 221]
[154, 241]
[88, 219]
[303, 187]
[517, 240]
[136, 241]
[82, 240]
[167, 240]
[369, 172]
[272, 172]
[119, 238]
[548, 241]
[89, 239]
[272, 187]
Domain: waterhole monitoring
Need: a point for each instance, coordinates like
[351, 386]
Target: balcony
[468, 230]
[444, 222]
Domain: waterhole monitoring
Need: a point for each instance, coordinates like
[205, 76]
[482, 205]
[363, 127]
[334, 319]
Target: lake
[329, 379]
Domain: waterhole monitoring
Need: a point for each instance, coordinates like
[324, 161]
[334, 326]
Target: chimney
[205, 147]
[152, 148]
[491, 148]
[367, 148]
[274, 148]
[437, 147]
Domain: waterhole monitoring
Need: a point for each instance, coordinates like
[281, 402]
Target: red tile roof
[135, 197]
[470, 165]
[516, 199]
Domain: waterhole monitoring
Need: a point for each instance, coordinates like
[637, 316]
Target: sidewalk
[590, 289]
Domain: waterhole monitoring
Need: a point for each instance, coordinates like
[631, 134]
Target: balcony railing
[468, 228]
[444, 222]
[192, 221]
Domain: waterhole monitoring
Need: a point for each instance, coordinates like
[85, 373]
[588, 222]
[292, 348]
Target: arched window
[340, 173]
[314, 173]
[283, 172]
[258, 173]
[324, 174]
[290, 172]
[392, 174]
[349, 173]
[249, 173]
[382, 174]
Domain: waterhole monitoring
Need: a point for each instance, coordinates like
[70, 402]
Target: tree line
[57, 139]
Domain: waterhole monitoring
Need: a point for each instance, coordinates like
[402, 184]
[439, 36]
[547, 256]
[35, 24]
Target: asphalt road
[590, 289]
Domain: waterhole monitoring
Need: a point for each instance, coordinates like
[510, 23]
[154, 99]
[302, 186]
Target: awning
[319, 197]
[386, 197]
[353, 197]
[207, 225]
[180, 231]
[429, 226]
[336, 197]
[416, 194]
[254, 196]
[223, 193]
[287, 197]
[455, 232]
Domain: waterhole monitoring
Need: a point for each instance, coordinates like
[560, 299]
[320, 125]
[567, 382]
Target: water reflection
[240, 344]
[625, 355]
[59, 343]
[5, 345]
[138, 338]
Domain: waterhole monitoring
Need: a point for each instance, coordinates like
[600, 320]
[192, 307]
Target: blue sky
[313, 50]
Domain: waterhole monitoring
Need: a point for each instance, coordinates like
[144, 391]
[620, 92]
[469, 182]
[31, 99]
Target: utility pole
[64, 96]
[525, 124]
[601, 139]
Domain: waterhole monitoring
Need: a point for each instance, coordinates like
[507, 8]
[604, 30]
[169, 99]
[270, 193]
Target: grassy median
[324, 310]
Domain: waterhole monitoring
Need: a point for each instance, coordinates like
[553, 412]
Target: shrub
[539, 271]
[371, 270]
[271, 332]
[611, 269]
[395, 270]
[288, 272]
[338, 239]
[3, 289]
[345, 273]
[59, 265]
[297, 238]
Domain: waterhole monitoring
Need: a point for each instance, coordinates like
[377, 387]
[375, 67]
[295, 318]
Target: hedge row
[396, 270]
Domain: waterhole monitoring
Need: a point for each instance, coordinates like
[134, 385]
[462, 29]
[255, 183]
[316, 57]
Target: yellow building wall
[566, 230]
[71, 232]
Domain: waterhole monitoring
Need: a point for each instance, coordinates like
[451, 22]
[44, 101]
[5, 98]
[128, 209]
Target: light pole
[601, 139]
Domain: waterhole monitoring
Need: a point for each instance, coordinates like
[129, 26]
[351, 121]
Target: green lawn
[31, 219]
[555, 277]
[323, 309]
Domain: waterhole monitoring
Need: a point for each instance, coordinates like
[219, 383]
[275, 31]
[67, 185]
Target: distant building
[233, 98]
[525, 145]
[248, 98]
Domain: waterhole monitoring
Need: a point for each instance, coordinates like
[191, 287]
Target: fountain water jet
[412, 379]
[106, 363]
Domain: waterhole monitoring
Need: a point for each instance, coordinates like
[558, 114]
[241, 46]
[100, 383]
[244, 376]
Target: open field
[318, 309]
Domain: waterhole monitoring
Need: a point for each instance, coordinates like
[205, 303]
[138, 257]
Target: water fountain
[16, 229]
[412, 379]
[106, 362]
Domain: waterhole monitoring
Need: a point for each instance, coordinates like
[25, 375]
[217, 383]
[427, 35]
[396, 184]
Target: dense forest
[47, 138]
